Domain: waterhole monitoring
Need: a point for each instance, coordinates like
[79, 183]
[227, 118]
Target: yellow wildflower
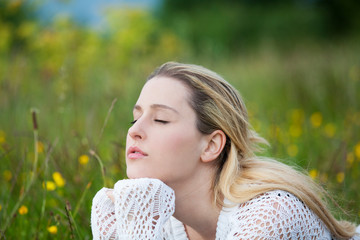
[40, 147]
[2, 136]
[357, 150]
[23, 210]
[7, 175]
[340, 177]
[52, 229]
[295, 131]
[49, 185]
[316, 119]
[0, 207]
[329, 130]
[313, 173]
[83, 159]
[292, 150]
[58, 179]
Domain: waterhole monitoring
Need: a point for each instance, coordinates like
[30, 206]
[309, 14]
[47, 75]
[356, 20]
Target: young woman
[193, 173]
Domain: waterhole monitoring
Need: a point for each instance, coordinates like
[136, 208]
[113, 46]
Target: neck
[195, 207]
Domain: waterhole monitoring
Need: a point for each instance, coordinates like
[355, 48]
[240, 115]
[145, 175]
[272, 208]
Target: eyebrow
[157, 106]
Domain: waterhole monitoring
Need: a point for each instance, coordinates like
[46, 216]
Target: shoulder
[276, 203]
[278, 215]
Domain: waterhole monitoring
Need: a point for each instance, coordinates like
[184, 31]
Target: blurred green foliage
[232, 25]
[13, 18]
[302, 95]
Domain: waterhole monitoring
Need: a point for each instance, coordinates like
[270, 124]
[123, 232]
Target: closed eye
[161, 121]
[133, 122]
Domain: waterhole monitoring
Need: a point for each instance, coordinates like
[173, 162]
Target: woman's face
[164, 142]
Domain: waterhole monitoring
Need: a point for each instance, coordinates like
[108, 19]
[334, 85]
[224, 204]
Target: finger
[110, 195]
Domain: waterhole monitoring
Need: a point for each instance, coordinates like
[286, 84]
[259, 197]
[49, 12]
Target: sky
[88, 12]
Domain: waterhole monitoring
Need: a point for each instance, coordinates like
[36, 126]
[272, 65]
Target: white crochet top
[143, 210]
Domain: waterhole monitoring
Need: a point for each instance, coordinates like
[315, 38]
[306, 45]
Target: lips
[135, 153]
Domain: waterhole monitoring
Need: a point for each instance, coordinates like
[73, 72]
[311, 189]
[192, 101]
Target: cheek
[127, 140]
[180, 145]
[127, 144]
[175, 141]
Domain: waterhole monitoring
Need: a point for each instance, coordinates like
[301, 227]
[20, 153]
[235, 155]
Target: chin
[131, 174]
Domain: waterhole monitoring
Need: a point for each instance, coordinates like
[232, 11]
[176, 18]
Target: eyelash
[161, 121]
[156, 120]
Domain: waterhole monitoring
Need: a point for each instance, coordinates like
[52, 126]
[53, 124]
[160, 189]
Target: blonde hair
[241, 175]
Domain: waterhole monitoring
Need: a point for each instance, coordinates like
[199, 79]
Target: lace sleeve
[103, 221]
[276, 215]
[142, 206]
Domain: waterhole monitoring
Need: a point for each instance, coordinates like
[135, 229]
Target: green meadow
[66, 98]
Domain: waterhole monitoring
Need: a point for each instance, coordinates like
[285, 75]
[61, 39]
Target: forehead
[164, 90]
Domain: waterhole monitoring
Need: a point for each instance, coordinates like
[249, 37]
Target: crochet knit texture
[140, 210]
[143, 210]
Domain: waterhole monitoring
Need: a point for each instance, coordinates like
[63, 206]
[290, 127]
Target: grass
[305, 101]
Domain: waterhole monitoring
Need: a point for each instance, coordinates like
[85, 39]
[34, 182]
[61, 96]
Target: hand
[110, 194]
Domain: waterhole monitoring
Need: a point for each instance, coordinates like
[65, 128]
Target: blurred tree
[15, 16]
[238, 24]
[342, 17]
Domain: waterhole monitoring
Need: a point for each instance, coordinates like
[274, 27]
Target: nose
[136, 131]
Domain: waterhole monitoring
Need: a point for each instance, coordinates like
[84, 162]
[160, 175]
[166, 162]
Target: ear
[215, 144]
